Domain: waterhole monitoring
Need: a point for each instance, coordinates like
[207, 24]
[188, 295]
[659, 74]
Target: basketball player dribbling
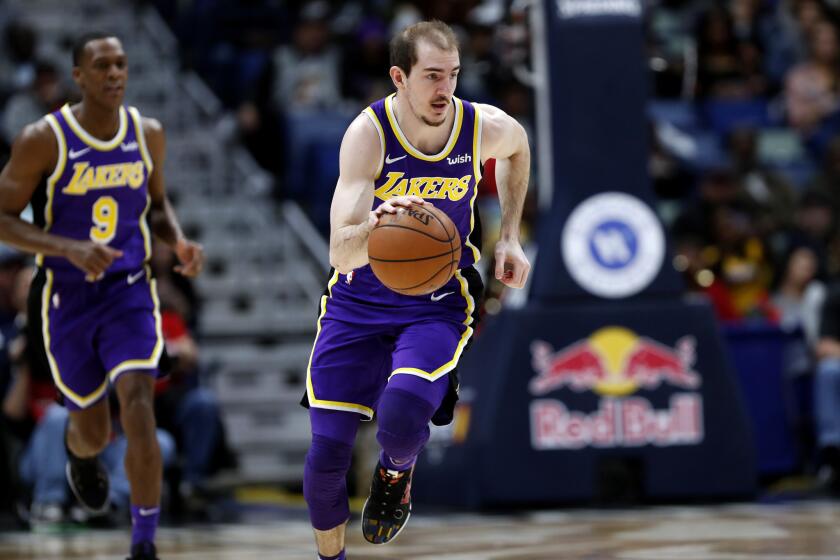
[379, 351]
[93, 173]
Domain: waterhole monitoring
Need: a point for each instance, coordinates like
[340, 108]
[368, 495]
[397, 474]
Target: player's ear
[77, 75]
[398, 77]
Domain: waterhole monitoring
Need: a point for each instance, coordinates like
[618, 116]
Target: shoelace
[390, 481]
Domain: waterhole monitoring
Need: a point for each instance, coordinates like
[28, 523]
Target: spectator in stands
[824, 50]
[717, 54]
[827, 393]
[308, 70]
[45, 95]
[815, 224]
[365, 61]
[17, 58]
[766, 190]
[800, 293]
[811, 107]
[484, 80]
[827, 180]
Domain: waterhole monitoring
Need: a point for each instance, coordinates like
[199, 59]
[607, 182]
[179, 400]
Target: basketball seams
[420, 231]
[451, 251]
[426, 281]
[407, 270]
[442, 225]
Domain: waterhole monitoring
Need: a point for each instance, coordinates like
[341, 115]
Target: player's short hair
[81, 42]
[404, 43]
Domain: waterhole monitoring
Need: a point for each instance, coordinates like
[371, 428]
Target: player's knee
[403, 423]
[324, 482]
[136, 395]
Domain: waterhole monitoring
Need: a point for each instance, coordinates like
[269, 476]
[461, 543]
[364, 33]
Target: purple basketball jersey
[98, 191]
[367, 332]
[94, 332]
[448, 179]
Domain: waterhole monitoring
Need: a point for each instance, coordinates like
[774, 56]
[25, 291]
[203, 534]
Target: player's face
[432, 81]
[102, 72]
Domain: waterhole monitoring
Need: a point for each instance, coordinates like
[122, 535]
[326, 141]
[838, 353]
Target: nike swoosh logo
[130, 147]
[132, 278]
[146, 512]
[389, 160]
[73, 154]
[441, 296]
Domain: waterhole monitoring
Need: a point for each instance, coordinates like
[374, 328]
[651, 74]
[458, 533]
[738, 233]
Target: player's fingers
[191, 268]
[518, 276]
[500, 264]
[526, 271]
[115, 253]
[99, 261]
[373, 219]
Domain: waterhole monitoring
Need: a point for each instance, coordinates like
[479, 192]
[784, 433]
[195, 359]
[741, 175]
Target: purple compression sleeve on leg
[327, 463]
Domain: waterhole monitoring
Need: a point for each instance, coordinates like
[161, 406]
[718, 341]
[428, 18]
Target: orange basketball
[415, 251]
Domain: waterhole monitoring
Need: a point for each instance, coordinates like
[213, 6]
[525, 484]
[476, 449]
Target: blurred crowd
[745, 161]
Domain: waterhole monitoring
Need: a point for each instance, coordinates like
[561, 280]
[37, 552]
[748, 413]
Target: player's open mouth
[440, 107]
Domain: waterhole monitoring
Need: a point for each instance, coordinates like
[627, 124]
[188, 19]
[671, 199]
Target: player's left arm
[162, 216]
[505, 140]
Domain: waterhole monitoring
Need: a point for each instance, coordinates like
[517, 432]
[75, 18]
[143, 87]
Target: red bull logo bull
[615, 362]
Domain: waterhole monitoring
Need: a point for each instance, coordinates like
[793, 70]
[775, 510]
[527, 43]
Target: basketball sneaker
[143, 551]
[88, 480]
[388, 507]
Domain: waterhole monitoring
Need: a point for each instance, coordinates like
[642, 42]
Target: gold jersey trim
[372, 115]
[411, 150]
[459, 349]
[141, 140]
[61, 162]
[87, 138]
[82, 401]
[152, 361]
[315, 402]
[477, 173]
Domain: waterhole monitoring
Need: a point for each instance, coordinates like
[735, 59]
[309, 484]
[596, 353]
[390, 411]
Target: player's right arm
[351, 218]
[34, 154]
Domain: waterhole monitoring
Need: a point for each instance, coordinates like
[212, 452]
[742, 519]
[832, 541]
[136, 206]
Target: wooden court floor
[798, 531]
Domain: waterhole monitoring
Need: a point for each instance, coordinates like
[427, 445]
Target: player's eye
[432, 77]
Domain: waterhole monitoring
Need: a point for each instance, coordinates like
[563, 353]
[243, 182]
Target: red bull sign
[615, 362]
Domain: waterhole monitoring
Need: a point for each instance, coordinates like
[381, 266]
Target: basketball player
[94, 175]
[379, 351]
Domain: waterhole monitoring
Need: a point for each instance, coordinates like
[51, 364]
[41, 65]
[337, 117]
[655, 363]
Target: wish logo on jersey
[425, 187]
[87, 178]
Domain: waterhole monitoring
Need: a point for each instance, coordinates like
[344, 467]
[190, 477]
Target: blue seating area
[702, 129]
[775, 401]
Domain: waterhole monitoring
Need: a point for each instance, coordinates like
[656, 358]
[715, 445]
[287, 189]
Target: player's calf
[88, 481]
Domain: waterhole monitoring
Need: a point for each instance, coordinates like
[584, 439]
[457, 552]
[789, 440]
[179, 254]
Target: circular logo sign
[613, 245]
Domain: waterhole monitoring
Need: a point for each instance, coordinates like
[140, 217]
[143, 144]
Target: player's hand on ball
[512, 266]
[191, 257]
[92, 258]
[393, 205]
